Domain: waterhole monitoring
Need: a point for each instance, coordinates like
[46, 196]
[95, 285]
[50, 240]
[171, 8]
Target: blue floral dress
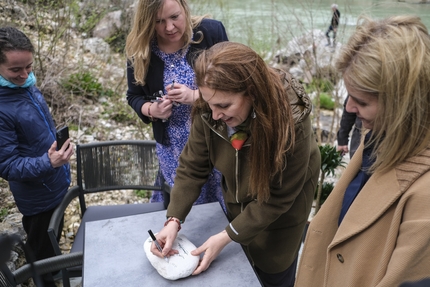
[176, 68]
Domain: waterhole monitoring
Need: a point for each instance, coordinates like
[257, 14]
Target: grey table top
[114, 255]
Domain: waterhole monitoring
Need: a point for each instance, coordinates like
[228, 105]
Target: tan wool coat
[384, 238]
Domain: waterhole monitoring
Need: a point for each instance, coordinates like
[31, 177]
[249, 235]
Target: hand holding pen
[154, 239]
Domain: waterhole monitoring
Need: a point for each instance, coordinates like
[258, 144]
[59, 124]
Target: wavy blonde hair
[138, 42]
[236, 68]
[390, 59]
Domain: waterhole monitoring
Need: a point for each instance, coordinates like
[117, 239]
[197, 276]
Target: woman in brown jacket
[252, 123]
[374, 229]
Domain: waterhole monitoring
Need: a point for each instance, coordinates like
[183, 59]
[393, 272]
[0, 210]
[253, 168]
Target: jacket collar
[377, 196]
[219, 129]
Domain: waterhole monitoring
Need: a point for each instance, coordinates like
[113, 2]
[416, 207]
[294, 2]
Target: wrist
[175, 220]
[226, 238]
[151, 118]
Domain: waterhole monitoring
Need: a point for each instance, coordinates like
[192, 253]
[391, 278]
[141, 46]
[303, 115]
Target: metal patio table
[114, 255]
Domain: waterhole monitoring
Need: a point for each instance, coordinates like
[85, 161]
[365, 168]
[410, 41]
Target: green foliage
[319, 85]
[117, 41]
[330, 159]
[73, 127]
[143, 193]
[87, 15]
[327, 187]
[3, 213]
[90, 22]
[124, 114]
[326, 102]
[85, 84]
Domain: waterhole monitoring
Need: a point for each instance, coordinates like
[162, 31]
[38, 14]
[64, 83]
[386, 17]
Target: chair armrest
[57, 216]
[166, 187]
[6, 276]
[48, 265]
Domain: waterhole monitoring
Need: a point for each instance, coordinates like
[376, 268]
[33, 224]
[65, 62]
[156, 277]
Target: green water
[267, 25]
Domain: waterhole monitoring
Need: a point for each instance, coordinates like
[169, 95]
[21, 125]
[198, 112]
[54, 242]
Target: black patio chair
[14, 278]
[106, 166]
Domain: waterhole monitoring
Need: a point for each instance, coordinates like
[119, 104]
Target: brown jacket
[272, 231]
[384, 238]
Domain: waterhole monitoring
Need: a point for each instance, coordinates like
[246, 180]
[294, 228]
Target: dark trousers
[283, 279]
[330, 29]
[38, 242]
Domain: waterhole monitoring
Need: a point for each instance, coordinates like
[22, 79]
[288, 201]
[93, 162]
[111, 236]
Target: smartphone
[62, 136]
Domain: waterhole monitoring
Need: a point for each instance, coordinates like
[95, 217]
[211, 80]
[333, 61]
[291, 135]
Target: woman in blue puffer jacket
[38, 173]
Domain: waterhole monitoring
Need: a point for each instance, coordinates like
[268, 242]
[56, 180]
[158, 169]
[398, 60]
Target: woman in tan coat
[374, 229]
[253, 124]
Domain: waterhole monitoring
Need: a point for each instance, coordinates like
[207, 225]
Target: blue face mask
[31, 80]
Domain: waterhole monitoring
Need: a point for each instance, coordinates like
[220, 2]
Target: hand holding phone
[62, 136]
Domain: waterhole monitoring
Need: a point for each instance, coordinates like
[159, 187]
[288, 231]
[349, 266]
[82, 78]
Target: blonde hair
[138, 43]
[390, 59]
[234, 67]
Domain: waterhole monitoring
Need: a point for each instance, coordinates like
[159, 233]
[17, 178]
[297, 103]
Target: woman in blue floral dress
[161, 48]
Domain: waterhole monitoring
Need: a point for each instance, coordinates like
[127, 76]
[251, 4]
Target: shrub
[330, 160]
[326, 102]
[143, 193]
[85, 84]
[326, 190]
[3, 213]
[321, 85]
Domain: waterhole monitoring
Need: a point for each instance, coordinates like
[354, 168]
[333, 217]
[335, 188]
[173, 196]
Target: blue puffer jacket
[27, 131]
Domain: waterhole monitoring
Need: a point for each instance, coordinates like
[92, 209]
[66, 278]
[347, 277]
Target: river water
[267, 25]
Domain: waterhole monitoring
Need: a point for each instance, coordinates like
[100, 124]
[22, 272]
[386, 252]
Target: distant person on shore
[374, 228]
[161, 48]
[333, 25]
[349, 122]
[38, 173]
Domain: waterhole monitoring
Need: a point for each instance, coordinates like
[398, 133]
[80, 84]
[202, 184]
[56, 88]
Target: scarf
[31, 80]
[239, 134]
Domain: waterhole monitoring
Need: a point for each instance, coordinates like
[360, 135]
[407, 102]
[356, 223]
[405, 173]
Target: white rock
[108, 25]
[96, 46]
[178, 266]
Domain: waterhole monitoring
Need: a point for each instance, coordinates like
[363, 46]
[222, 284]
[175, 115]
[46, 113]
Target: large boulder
[108, 25]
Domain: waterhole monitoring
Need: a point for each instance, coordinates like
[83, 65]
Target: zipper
[33, 98]
[236, 175]
[47, 187]
[236, 164]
